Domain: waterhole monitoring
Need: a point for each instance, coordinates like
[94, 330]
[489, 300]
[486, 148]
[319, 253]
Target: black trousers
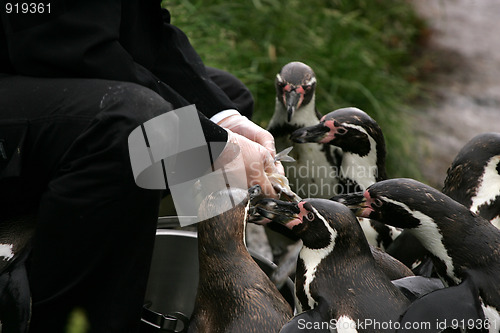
[95, 227]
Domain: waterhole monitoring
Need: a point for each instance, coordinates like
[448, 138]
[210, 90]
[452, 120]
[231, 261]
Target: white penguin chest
[311, 175]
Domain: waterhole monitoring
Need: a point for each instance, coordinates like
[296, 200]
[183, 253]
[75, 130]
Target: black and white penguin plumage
[234, 294]
[16, 233]
[336, 273]
[473, 178]
[363, 158]
[362, 143]
[295, 108]
[463, 245]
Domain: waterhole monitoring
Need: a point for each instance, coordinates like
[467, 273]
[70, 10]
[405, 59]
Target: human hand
[244, 157]
[243, 126]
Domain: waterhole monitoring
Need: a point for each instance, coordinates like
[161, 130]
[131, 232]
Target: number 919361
[27, 8]
[479, 324]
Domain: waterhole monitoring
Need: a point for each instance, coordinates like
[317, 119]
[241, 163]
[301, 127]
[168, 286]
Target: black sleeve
[84, 38]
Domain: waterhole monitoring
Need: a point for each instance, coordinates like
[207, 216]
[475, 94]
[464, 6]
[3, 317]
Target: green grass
[363, 53]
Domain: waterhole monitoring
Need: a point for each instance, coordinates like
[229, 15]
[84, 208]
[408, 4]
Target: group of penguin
[347, 276]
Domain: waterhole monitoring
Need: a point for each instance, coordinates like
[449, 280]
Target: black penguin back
[16, 233]
[460, 242]
[476, 163]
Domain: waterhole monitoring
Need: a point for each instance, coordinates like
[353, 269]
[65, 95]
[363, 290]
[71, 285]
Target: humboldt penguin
[473, 179]
[393, 268]
[337, 278]
[16, 233]
[464, 246]
[310, 175]
[234, 294]
[363, 159]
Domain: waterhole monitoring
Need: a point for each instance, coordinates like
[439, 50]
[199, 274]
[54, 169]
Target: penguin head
[347, 128]
[224, 213]
[295, 87]
[442, 225]
[378, 202]
[318, 222]
[409, 204]
[473, 179]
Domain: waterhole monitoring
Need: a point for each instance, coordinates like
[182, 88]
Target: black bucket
[173, 279]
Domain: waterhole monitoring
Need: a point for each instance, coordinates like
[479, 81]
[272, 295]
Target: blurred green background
[366, 53]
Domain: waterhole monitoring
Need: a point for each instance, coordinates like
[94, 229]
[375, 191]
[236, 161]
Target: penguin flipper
[309, 321]
[391, 267]
[448, 307]
[414, 287]
[408, 249]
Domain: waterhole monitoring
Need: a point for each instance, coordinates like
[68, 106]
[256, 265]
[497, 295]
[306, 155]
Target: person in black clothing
[75, 81]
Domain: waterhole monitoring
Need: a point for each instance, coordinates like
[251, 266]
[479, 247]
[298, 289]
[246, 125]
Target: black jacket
[123, 40]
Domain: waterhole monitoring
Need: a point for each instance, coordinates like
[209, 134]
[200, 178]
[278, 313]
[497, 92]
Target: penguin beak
[255, 196]
[314, 133]
[292, 101]
[358, 203]
[278, 211]
[255, 193]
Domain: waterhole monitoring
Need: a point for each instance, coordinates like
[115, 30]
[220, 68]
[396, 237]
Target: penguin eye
[377, 203]
[341, 130]
[310, 216]
[280, 83]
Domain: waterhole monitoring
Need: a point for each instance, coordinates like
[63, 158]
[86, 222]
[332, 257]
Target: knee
[131, 105]
[122, 109]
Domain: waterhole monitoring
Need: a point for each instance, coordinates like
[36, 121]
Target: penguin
[16, 234]
[391, 266]
[457, 308]
[337, 278]
[415, 287]
[363, 158]
[473, 179]
[310, 174]
[362, 143]
[295, 108]
[234, 294]
[464, 246]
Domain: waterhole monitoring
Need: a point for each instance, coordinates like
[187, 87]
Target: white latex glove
[243, 126]
[243, 157]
